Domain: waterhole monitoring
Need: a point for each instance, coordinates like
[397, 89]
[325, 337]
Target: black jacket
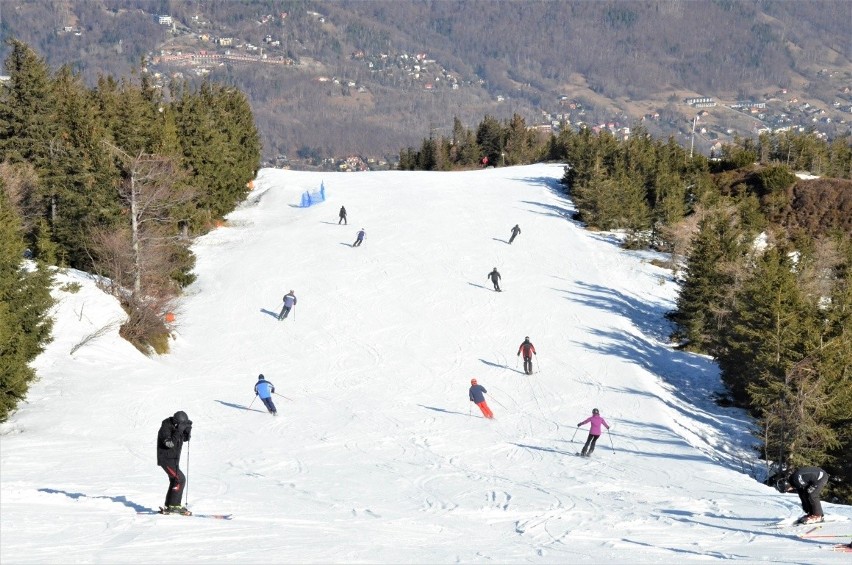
[805, 477]
[494, 275]
[342, 212]
[170, 433]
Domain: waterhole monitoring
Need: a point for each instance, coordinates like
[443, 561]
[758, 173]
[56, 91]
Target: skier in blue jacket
[265, 389]
[477, 396]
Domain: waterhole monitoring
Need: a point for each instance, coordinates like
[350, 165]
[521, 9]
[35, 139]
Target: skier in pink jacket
[594, 431]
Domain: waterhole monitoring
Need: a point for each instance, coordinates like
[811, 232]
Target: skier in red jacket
[528, 349]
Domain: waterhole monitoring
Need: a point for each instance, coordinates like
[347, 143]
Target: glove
[811, 489]
[519, 354]
[185, 429]
[169, 443]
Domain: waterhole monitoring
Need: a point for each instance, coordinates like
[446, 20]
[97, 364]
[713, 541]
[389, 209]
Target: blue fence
[310, 198]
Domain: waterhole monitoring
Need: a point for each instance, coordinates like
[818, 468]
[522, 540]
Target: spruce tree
[24, 304]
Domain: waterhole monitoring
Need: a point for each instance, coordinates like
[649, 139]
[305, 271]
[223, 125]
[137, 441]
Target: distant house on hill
[163, 20]
[700, 102]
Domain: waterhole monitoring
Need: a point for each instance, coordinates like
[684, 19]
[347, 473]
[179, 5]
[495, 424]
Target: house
[163, 20]
[700, 102]
[225, 41]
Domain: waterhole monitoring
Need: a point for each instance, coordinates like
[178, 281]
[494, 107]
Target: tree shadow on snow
[499, 366]
[270, 312]
[240, 406]
[120, 499]
[442, 410]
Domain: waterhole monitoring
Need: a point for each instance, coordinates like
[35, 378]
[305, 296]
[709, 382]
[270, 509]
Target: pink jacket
[596, 421]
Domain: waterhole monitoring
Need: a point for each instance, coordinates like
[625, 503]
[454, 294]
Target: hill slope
[375, 455]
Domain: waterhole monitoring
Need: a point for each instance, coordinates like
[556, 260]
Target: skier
[289, 302]
[342, 216]
[477, 396]
[594, 431]
[359, 238]
[495, 278]
[265, 389]
[173, 432]
[807, 482]
[528, 349]
[515, 231]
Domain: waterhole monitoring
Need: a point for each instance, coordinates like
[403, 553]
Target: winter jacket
[805, 477]
[342, 212]
[170, 434]
[494, 276]
[477, 394]
[596, 421]
[516, 230]
[264, 389]
[361, 234]
[527, 348]
[290, 300]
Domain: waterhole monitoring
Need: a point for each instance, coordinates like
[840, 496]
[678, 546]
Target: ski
[843, 547]
[213, 516]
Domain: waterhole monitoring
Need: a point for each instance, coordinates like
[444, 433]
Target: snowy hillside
[376, 454]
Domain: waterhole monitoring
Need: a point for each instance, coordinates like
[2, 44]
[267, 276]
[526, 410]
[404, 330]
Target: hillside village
[703, 121]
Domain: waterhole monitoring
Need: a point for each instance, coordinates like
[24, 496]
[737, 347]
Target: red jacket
[527, 348]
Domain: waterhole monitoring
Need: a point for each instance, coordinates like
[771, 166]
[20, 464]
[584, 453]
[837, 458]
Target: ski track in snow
[376, 454]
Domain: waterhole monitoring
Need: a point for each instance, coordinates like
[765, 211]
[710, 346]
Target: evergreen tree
[24, 303]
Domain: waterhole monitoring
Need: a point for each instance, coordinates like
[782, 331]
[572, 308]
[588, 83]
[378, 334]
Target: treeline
[113, 180]
[495, 142]
[772, 304]
[766, 273]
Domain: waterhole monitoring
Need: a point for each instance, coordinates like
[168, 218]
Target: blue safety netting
[310, 198]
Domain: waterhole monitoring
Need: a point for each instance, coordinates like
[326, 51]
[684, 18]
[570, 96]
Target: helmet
[473, 381]
[595, 411]
[526, 338]
[292, 292]
[260, 377]
[782, 485]
[180, 416]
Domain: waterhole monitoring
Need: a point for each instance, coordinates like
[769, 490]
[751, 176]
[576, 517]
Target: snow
[376, 454]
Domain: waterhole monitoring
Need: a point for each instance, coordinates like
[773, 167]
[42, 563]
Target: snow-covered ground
[376, 455]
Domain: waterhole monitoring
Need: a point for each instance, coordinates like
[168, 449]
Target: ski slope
[375, 455]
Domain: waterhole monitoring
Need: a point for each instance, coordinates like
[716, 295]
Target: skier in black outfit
[342, 216]
[515, 231]
[807, 482]
[173, 432]
[495, 278]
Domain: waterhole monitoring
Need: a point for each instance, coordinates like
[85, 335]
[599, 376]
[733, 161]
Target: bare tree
[153, 191]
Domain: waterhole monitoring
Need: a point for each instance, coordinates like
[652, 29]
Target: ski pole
[610, 440]
[252, 401]
[575, 434]
[517, 361]
[537, 364]
[498, 403]
[282, 396]
[187, 474]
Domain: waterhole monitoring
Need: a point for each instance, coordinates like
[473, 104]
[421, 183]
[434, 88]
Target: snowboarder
[515, 231]
[807, 482]
[265, 389]
[289, 302]
[495, 278]
[342, 216]
[528, 349]
[359, 239]
[594, 431]
[477, 396]
[173, 432]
